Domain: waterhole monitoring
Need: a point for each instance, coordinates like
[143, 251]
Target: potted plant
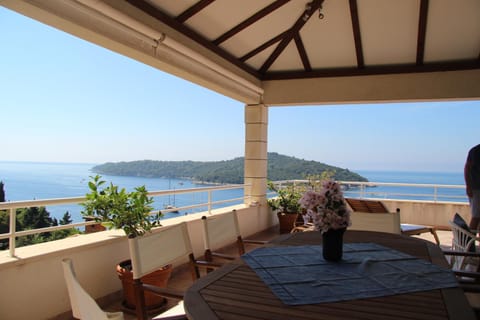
[286, 205]
[131, 211]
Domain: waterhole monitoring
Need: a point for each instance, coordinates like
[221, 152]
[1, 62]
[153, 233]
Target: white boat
[170, 207]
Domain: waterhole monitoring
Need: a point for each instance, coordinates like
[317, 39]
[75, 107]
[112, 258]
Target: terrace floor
[181, 277]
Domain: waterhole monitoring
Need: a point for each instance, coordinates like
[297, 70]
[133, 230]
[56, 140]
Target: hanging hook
[320, 14]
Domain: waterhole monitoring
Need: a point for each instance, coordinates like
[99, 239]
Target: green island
[280, 167]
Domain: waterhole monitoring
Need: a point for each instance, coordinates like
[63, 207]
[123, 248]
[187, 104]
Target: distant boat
[169, 207]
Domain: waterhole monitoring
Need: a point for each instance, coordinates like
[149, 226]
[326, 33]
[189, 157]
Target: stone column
[256, 125]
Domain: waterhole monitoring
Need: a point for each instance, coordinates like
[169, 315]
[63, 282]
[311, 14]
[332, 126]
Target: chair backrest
[162, 246]
[372, 206]
[372, 215]
[462, 240]
[83, 305]
[220, 230]
[384, 222]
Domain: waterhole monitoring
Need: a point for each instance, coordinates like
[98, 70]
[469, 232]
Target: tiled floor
[181, 278]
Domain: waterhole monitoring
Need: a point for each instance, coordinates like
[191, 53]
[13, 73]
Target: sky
[63, 99]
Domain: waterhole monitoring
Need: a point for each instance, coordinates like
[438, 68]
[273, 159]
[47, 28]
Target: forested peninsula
[280, 167]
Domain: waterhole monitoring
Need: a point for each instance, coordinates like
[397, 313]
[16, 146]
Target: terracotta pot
[158, 278]
[93, 227]
[286, 221]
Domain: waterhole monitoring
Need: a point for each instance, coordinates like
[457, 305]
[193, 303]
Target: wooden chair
[164, 245]
[386, 222]
[303, 224]
[373, 206]
[221, 230]
[83, 306]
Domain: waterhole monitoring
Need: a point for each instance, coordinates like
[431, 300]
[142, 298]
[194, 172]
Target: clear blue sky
[66, 100]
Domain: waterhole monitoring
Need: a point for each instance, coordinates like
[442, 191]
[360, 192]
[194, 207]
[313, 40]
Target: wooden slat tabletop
[236, 292]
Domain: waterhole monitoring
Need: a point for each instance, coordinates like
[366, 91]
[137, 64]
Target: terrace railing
[400, 191]
[12, 206]
[395, 191]
[406, 191]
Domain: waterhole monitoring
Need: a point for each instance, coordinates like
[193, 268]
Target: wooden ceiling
[294, 39]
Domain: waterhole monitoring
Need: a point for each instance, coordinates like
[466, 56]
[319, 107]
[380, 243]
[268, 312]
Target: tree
[35, 218]
[4, 221]
[32, 218]
[2, 192]
[66, 219]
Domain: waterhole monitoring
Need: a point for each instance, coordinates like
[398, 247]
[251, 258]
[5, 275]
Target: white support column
[256, 125]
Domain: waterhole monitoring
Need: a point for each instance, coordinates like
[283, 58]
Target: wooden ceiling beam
[193, 10]
[422, 31]
[356, 33]
[185, 30]
[262, 47]
[244, 24]
[306, 15]
[374, 70]
[302, 52]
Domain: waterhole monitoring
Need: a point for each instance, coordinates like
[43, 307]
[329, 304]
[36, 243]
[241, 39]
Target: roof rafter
[302, 52]
[356, 33]
[193, 10]
[311, 8]
[422, 31]
[263, 47]
[244, 24]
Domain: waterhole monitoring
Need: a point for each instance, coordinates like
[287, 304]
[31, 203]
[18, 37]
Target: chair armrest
[207, 264]
[475, 276]
[223, 256]
[460, 253]
[165, 292]
[255, 241]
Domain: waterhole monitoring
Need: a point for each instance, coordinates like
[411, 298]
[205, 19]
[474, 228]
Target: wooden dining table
[235, 291]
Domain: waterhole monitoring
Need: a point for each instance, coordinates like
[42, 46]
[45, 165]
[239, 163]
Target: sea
[40, 180]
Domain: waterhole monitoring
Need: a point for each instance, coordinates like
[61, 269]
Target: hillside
[280, 167]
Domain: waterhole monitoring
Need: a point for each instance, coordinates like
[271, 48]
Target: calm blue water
[414, 177]
[29, 180]
[417, 193]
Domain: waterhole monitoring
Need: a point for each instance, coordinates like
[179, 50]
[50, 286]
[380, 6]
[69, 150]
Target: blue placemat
[299, 274]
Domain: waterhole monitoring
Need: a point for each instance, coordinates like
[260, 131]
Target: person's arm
[467, 175]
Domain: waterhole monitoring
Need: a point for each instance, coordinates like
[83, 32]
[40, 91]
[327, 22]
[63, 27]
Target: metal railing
[413, 191]
[12, 206]
[394, 191]
[382, 190]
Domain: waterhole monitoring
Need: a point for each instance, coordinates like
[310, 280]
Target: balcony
[36, 269]
[33, 278]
